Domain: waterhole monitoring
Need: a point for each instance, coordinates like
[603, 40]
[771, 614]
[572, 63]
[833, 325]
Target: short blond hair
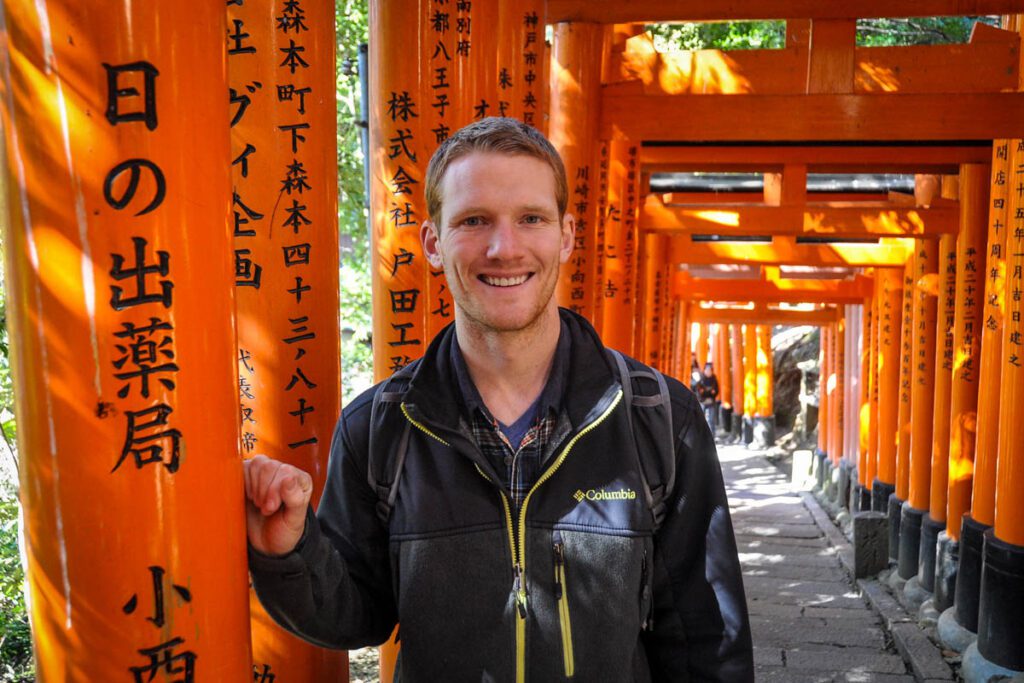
[493, 134]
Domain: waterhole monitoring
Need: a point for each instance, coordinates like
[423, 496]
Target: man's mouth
[505, 281]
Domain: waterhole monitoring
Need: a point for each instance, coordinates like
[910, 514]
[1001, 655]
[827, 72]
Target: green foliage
[15, 637]
[726, 35]
[918, 30]
[351, 22]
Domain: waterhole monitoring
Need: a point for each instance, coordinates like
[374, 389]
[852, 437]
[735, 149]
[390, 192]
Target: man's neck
[510, 369]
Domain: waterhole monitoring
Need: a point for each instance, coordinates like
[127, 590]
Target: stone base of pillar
[895, 515]
[968, 576]
[952, 634]
[976, 668]
[880, 492]
[928, 616]
[870, 544]
[724, 419]
[820, 458]
[748, 429]
[914, 596]
[843, 490]
[947, 555]
[764, 431]
[910, 540]
[930, 530]
[853, 496]
[736, 425]
[831, 482]
[1000, 627]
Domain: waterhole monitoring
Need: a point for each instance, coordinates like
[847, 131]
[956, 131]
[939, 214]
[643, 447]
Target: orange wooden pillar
[890, 317]
[865, 414]
[764, 415]
[935, 521]
[749, 381]
[655, 290]
[619, 280]
[723, 371]
[284, 208]
[121, 300]
[982, 486]
[1000, 628]
[702, 348]
[969, 287]
[736, 378]
[873, 399]
[922, 403]
[575, 110]
[903, 413]
[836, 396]
[824, 362]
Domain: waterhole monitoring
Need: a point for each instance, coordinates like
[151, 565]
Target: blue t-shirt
[517, 430]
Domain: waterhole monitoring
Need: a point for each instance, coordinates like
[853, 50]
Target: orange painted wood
[784, 250]
[839, 220]
[968, 116]
[983, 489]
[890, 282]
[750, 370]
[620, 274]
[736, 368]
[824, 370]
[788, 187]
[702, 344]
[864, 413]
[120, 306]
[944, 362]
[967, 334]
[923, 374]
[837, 397]
[873, 399]
[830, 62]
[763, 313]
[904, 413]
[935, 158]
[765, 373]
[655, 291]
[284, 213]
[685, 198]
[971, 68]
[575, 109]
[650, 11]
[783, 290]
[723, 367]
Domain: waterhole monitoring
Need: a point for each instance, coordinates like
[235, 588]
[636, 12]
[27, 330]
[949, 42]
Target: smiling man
[493, 497]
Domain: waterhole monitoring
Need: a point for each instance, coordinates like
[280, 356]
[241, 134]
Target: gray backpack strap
[388, 444]
[650, 421]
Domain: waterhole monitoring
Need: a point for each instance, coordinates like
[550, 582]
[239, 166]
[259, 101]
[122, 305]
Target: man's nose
[505, 242]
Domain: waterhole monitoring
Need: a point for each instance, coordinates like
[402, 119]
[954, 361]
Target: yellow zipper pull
[520, 590]
[559, 561]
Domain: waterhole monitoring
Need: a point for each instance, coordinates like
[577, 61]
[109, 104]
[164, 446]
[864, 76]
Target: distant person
[695, 376]
[707, 394]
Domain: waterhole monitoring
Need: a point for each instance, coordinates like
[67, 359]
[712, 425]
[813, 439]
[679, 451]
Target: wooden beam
[839, 220]
[786, 252]
[652, 11]
[762, 314]
[685, 198]
[777, 291]
[965, 116]
[936, 158]
[830, 64]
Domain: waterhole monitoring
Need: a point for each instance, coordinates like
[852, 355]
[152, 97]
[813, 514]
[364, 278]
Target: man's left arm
[701, 628]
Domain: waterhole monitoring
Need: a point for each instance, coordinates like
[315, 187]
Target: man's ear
[568, 238]
[430, 237]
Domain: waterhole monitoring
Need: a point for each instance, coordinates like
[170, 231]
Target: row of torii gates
[172, 272]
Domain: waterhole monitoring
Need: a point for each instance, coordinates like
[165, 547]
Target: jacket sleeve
[701, 628]
[334, 590]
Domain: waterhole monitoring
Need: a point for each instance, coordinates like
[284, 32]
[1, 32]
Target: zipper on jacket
[562, 595]
[646, 603]
[519, 552]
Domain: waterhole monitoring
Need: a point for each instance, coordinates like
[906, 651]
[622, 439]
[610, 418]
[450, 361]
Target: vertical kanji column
[974, 195]
[121, 301]
[864, 413]
[619, 269]
[922, 403]
[574, 115]
[935, 521]
[890, 318]
[281, 68]
[1000, 627]
[872, 460]
[836, 396]
[903, 430]
[982, 484]
[764, 417]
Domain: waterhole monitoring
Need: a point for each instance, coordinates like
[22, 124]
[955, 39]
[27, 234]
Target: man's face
[500, 241]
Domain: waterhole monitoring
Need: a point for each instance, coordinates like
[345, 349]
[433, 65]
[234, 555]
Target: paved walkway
[810, 620]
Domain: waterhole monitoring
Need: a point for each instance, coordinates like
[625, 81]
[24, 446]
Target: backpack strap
[650, 422]
[384, 466]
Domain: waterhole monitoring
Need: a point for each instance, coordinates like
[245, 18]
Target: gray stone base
[896, 582]
[947, 563]
[928, 616]
[914, 595]
[870, 543]
[764, 432]
[974, 668]
[954, 636]
[843, 486]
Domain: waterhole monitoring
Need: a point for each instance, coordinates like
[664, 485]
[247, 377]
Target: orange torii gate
[620, 111]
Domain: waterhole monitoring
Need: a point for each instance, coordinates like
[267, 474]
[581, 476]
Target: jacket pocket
[562, 596]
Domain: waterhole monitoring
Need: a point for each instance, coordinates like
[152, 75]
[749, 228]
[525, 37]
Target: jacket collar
[434, 387]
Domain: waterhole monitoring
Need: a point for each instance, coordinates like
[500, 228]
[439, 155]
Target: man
[514, 550]
[707, 393]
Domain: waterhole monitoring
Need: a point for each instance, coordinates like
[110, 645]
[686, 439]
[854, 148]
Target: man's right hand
[277, 495]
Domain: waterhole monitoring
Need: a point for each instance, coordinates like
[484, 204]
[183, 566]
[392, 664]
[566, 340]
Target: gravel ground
[362, 666]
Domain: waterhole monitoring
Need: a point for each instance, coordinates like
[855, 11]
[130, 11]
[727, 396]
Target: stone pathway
[808, 617]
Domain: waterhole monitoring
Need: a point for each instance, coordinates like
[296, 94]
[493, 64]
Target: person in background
[707, 394]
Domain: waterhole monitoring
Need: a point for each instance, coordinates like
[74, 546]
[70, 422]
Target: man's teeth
[505, 281]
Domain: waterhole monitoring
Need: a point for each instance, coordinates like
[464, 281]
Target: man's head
[497, 135]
